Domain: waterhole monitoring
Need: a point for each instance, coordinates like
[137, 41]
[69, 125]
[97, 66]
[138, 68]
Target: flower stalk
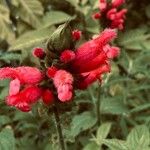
[58, 126]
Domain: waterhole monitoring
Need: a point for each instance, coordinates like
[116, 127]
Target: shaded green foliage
[124, 95]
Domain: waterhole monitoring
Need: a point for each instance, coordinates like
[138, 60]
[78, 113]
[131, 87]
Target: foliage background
[124, 95]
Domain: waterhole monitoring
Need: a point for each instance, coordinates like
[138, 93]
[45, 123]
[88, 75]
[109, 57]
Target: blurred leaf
[6, 32]
[82, 122]
[139, 138]
[133, 39]
[54, 17]
[113, 106]
[115, 144]
[29, 11]
[31, 39]
[4, 120]
[103, 131]
[148, 11]
[91, 146]
[7, 140]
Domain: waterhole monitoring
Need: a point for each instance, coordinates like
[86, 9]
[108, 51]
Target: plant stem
[59, 129]
[98, 106]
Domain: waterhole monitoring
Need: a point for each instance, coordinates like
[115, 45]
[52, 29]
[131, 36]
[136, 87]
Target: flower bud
[39, 52]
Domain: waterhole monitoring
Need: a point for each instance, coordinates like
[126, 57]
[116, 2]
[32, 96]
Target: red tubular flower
[111, 14]
[111, 52]
[76, 34]
[22, 75]
[48, 97]
[90, 77]
[39, 52]
[96, 16]
[117, 3]
[26, 75]
[63, 82]
[67, 56]
[90, 55]
[102, 5]
[25, 98]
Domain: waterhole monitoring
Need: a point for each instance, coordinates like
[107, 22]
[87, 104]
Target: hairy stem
[59, 129]
[98, 106]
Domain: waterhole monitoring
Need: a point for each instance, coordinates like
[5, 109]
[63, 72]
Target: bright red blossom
[63, 82]
[117, 3]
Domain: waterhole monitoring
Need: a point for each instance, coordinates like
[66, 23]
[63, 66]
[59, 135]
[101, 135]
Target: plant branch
[59, 129]
[98, 106]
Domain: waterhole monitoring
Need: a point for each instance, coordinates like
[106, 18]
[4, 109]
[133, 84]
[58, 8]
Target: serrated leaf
[82, 122]
[115, 144]
[113, 106]
[31, 38]
[54, 17]
[139, 138]
[6, 32]
[30, 11]
[102, 132]
[91, 146]
[134, 38]
[7, 140]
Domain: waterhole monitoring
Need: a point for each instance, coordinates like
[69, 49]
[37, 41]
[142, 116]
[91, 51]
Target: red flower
[48, 97]
[51, 71]
[26, 75]
[39, 52]
[63, 82]
[25, 98]
[90, 77]
[22, 75]
[102, 5]
[90, 55]
[67, 56]
[117, 3]
[76, 34]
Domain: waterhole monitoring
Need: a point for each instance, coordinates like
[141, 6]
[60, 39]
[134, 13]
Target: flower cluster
[111, 11]
[75, 69]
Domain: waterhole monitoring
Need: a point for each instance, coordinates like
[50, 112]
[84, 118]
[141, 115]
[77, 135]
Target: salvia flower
[111, 13]
[22, 76]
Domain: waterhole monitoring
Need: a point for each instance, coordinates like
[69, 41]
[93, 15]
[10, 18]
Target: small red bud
[39, 52]
[96, 16]
[76, 34]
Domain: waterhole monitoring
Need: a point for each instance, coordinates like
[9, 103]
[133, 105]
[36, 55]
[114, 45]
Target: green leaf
[113, 106]
[30, 11]
[4, 120]
[102, 132]
[139, 138]
[54, 17]
[61, 35]
[91, 146]
[31, 39]
[115, 144]
[133, 39]
[6, 32]
[7, 140]
[148, 11]
[82, 122]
